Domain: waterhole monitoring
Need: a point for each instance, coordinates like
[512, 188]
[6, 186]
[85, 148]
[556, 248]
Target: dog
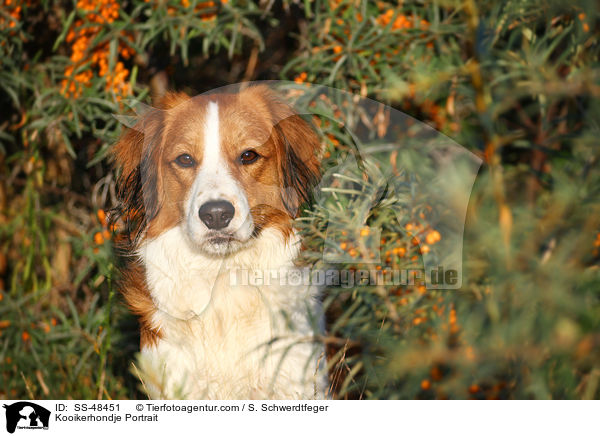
[209, 187]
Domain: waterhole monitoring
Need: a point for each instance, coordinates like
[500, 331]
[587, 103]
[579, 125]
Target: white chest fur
[222, 338]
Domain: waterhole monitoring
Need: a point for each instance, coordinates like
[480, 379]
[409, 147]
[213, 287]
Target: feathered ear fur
[298, 162]
[298, 150]
[137, 154]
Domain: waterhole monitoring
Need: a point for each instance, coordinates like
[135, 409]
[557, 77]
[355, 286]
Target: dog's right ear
[135, 146]
[137, 155]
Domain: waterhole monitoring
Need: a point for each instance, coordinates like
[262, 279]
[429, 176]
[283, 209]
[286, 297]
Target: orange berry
[425, 249]
[343, 245]
[353, 252]
[337, 49]
[364, 231]
[433, 237]
[425, 384]
[473, 389]
[4, 324]
[452, 317]
[98, 239]
[25, 336]
[301, 78]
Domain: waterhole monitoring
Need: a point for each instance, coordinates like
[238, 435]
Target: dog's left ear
[298, 159]
[298, 149]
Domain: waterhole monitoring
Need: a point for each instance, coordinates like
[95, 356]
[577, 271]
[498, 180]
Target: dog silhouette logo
[26, 415]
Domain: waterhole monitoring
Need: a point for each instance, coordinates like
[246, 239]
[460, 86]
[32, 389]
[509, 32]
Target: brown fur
[135, 291]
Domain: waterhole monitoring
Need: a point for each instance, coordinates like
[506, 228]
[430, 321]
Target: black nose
[216, 214]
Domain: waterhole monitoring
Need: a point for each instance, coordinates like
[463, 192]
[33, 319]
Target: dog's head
[224, 167]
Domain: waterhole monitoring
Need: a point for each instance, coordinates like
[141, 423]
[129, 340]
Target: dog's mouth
[220, 239]
[221, 243]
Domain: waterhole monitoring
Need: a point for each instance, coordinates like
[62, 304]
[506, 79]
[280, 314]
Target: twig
[139, 376]
[40, 378]
[29, 391]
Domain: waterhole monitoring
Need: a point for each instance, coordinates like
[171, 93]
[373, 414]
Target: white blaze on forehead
[212, 139]
[214, 181]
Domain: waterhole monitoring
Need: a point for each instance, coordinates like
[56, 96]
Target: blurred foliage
[516, 82]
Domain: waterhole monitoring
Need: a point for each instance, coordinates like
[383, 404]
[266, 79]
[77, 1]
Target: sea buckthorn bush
[515, 83]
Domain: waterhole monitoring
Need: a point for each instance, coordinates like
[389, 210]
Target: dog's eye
[248, 157]
[185, 160]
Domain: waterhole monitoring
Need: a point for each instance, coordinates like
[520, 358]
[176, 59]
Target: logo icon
[26, 415]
